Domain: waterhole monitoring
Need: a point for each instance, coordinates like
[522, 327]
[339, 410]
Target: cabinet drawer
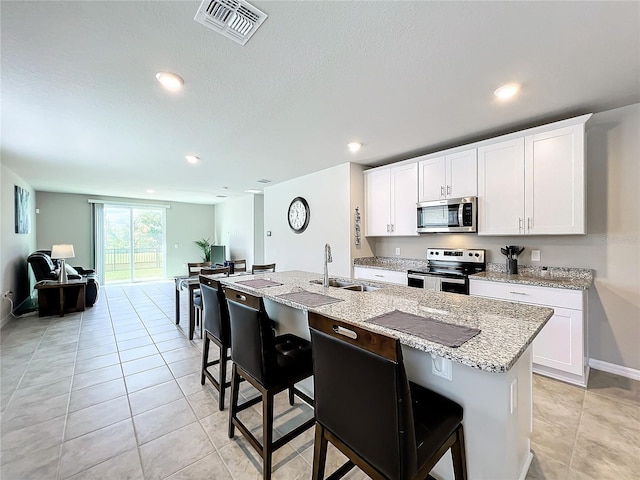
[552, 297]
[376, 274]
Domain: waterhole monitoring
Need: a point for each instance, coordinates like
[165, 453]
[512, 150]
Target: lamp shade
[62, 251]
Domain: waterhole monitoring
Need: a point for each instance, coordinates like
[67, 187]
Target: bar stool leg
[267, 434]
[205, 357]
[291, 399]
[458, 455]
[222, 376]
[235, 387]
[319, 453]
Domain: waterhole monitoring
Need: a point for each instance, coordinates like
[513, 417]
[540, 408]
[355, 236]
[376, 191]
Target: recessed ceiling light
[150, 190]
[192, 159]
[263, 180]
[222, 196]
[354, 146]
[508, 91]
[170, 81]
[253, 190]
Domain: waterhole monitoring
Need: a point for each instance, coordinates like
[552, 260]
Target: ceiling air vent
[235, 19]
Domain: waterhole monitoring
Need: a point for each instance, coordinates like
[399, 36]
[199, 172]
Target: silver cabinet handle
[448, 190]
[392, 227]
[441, 190]
[529, 223]
[520, 293]
[241, 297]
[376, 275]
[387, 228]
[519, 224]
[344, 331]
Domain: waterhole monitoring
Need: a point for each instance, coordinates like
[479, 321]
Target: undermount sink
[346, 285]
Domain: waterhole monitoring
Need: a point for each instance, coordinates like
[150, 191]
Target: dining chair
[268, 267]
[271, 364]
[240, 265]
[195, 267]
[389, 427]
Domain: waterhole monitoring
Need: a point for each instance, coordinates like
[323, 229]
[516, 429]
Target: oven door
[454, 285]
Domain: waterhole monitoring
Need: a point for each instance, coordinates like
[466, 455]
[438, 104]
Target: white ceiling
[83, 113]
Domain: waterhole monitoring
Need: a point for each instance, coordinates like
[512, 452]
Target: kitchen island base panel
[497, 439]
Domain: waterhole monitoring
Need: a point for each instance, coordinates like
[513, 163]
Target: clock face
[298, 215]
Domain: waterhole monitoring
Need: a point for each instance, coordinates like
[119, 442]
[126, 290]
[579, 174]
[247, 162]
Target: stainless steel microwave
[453, 215]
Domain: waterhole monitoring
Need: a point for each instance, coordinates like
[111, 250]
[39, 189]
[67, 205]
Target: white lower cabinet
[379, 275]
[560, 349]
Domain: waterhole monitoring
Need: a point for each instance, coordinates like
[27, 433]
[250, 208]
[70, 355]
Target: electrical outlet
[441, 367]
[397, 251]
[535, 255]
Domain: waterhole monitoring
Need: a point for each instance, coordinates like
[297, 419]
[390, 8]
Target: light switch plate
[397, 251]
[535, 255]
[514, 395]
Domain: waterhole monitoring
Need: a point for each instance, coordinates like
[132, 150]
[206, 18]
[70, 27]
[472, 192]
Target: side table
[60, 298]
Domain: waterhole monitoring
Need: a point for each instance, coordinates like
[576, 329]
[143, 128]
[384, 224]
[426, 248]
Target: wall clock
[298, 215]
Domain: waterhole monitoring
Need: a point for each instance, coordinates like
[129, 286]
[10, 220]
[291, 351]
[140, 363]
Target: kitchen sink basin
[346, 285]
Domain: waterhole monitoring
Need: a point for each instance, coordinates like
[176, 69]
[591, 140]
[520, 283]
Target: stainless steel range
[448, 270]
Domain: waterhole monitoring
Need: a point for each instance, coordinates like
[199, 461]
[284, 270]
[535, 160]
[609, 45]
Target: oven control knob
[477, 254]
[437, 253]
[471, 254]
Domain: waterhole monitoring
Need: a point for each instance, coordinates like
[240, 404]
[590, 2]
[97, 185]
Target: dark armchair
[44, 268]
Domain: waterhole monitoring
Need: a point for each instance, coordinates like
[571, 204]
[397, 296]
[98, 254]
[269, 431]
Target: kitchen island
[490, 373]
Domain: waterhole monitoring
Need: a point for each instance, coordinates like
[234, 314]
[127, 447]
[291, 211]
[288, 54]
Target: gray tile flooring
[114, 393]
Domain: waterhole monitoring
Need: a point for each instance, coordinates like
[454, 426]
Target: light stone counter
[507, 329]
[396, 264]
[554, 277]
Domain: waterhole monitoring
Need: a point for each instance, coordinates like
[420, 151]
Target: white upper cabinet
[501, 188]
[448, 176]
[554, 182]
[391, 197]
[533, 185]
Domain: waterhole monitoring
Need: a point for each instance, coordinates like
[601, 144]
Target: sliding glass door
[134, 243]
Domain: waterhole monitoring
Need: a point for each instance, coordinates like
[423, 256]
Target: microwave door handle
[461, 214]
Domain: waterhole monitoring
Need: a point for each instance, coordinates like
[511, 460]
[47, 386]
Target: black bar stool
[197, 299]
[216, 330]
[270, 363]
[389, 427]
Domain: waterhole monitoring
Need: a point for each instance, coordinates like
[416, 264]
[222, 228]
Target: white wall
[611, 247]
[237, 223]
[14, 248]
[329, 194]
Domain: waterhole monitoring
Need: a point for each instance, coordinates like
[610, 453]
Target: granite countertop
[507, 328]
[396, 264]
[568, 278]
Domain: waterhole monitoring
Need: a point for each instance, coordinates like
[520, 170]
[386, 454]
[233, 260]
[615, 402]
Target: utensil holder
[512, 266]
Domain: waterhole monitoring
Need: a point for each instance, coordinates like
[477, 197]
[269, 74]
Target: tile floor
[114, 393]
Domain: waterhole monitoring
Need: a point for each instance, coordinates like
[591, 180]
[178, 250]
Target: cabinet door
[432, 175]
[404, 196]
[462, 174]
[378, 201]
[560, 343]
[501, 188]
[554, 182]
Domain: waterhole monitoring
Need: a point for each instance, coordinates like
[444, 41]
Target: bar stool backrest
[215, 271]
[267, 267]
[215, 309]
[251, 335]
[362, 394]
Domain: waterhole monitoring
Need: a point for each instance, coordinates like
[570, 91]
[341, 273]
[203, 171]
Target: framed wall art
[22, 217]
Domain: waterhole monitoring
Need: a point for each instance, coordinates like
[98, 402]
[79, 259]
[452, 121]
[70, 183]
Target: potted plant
[205, 246]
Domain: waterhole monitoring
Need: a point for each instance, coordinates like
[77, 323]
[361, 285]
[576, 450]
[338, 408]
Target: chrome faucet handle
[328, 256]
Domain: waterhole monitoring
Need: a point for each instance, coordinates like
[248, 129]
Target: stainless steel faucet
[327, 259]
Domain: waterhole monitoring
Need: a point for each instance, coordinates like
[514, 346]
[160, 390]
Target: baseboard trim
[616, 369]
